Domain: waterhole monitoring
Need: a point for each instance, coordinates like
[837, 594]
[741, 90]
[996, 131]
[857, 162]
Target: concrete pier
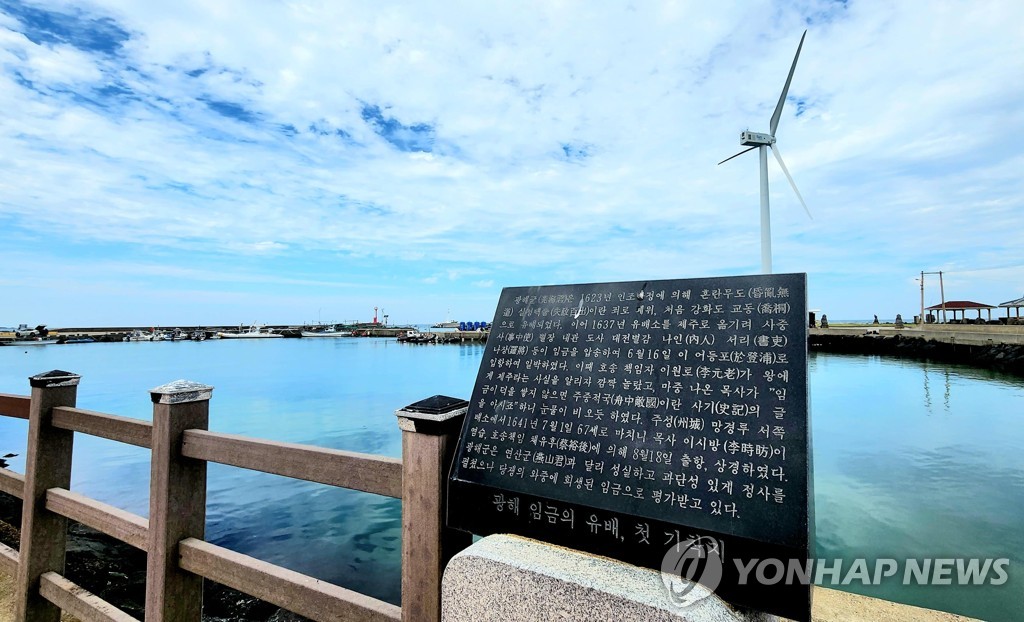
[966, 334]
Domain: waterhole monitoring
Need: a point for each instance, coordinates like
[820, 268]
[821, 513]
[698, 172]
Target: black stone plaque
[626, 418]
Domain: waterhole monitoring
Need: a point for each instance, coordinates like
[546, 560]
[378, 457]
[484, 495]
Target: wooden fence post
[47, 465]
[177, 502]
[430, 434]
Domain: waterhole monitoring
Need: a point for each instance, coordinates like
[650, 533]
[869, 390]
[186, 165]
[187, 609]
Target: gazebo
[963, 306]
[1013, 304]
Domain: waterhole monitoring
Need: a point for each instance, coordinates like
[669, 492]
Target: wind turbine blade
[792, 183]
[737, 155]
[785, 90]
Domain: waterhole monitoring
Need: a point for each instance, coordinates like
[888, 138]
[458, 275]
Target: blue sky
[280, 162]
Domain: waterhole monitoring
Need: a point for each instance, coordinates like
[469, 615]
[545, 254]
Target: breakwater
[189, 333]
[990, 352]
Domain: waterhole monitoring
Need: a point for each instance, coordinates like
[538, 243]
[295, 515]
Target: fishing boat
[449, 323]
[253, 332]
[141, 335]
[415, 336]
[177, 335]
[327, 331]
[77, 340]
[38, 341]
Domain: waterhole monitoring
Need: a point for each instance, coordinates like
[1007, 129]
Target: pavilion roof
[1013, 303]
[960, 304]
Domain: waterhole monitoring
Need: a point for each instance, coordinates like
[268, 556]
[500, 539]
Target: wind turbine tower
[762, 142]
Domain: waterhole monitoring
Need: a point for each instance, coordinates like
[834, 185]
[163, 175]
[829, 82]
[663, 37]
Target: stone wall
[1004, 357]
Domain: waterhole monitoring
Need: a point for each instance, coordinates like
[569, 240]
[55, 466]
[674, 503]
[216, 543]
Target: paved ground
[836, 606]
[948, 333]
[829, 606]
[7, 601]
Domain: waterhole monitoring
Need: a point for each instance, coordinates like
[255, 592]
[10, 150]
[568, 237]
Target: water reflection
[895, 480]
[927, 370]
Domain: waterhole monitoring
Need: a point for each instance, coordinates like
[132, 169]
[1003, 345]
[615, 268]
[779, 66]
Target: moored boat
[415, 336]
[141, 335]
[76, 340]
[177, 335]
[253, 332]
[38, 341]
[449, 323]
[328, 331]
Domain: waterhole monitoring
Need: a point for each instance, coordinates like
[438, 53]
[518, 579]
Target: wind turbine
[756, 140]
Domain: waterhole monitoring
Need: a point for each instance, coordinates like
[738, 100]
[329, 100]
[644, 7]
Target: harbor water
[911, 460]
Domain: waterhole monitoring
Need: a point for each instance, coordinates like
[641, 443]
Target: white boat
[141, 335]
[177, 335]
[253, 332]
[38, 341]
[449, 323]
[332, 331]
[415, 336]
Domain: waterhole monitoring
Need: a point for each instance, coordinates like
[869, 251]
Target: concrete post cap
[431, 413]
[55, 378]
[181, 392]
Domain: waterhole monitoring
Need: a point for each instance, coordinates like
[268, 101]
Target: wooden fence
[178, 558]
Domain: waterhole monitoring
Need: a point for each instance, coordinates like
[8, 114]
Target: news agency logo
[691, 570]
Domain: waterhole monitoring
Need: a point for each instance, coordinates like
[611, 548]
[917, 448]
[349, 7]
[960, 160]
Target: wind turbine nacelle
[755, 139]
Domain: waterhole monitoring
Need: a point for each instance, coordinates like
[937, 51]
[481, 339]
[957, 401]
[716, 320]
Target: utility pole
[921, 317]
[942, 295]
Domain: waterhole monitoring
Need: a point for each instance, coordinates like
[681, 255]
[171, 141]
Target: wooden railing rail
[345, 469]
[296, 592]
[79, 602]
[127, 527]
[138, 432]
[12, 483]
[14, 405]
[8, 559]
[177, 556]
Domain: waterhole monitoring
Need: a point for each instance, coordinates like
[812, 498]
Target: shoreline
[998, 350]
[60, 336]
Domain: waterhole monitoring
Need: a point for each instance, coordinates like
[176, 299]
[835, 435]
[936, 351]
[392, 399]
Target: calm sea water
[912, 460]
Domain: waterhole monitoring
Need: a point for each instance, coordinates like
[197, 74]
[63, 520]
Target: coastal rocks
[1003, 357]
[116, 572]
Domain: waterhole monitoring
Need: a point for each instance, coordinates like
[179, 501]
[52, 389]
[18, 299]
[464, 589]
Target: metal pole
[921, 319]
[766, 221]
[942, 294]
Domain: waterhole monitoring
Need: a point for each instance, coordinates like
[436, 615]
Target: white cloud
[569, 139]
